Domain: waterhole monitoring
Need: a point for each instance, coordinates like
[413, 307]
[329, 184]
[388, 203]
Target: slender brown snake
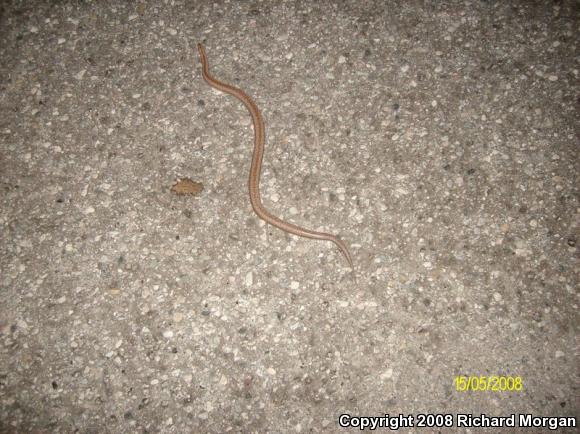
[256, 167]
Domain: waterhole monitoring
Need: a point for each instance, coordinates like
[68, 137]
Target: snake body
[256, 166]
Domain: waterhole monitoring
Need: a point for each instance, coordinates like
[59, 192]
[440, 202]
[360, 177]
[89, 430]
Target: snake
[256, 165]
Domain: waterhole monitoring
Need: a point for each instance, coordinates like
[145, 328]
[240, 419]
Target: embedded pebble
[249, 279]
[387, 374]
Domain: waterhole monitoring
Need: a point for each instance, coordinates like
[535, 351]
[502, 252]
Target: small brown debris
[187, 186]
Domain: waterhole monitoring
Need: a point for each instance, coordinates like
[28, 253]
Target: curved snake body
[256, 166]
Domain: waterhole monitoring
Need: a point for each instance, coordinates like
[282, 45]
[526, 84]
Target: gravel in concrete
[439, 139]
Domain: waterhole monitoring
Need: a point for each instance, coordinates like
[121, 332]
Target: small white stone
[559, 354]
[167, 334]
[89, 210]
[61, 41]
[275, 197]
[341, 59]
[249, 279]
[387, 374]
[522, 252]
[33, 29]
[404, 68]
[497, 296]
[79, 75]
[172, 32]
[434, 103]
[271, 371]
[294, 285]
[133, 17]
[553, 78]
[61, 300]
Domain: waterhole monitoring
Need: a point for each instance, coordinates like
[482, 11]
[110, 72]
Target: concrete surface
[439, 139]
